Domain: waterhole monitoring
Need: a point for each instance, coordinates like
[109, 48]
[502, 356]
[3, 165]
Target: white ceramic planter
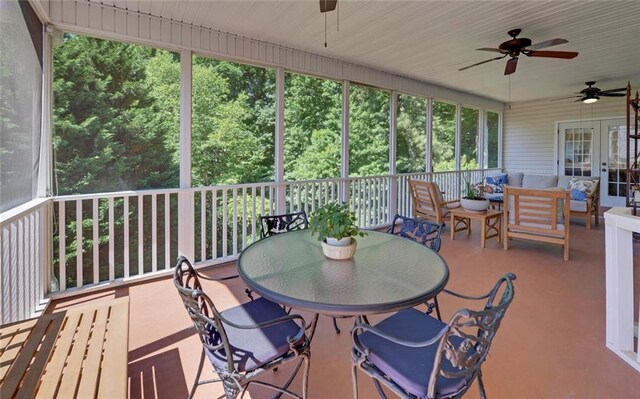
[343, 242]
[341, 252]
[474, 205]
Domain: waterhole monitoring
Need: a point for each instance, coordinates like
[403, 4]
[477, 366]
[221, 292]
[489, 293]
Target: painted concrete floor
[550, 344]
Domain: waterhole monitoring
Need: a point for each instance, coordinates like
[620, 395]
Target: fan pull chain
[338, 16]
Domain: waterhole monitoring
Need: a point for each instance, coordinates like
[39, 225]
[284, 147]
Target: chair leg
[354, 380]
[335, 326]
[589, 220]
[435, 301]
[195, 383]
[305, 377]
[231, 390]
[379, 389]
[483, 394]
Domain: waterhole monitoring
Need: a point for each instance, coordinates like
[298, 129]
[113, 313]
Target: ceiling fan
[591, 94]
[328, 5]
[516, 46]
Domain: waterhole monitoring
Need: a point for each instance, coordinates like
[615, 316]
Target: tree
[368, 131]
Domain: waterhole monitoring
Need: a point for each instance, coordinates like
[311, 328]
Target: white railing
[621, 330]
[24, 260]
[135, 233]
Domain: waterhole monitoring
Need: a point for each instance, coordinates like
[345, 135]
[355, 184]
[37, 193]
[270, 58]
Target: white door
[596, 148]
[613, 162]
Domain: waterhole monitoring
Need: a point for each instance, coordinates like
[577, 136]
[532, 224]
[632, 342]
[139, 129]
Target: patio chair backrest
[427, 201]
[419, 230]
[277, 224]
[469, 335]
[201, 310]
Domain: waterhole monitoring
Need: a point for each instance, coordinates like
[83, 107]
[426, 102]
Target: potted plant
[474, 200]
[335, 226]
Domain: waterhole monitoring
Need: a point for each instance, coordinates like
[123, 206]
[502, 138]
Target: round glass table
[387, 273]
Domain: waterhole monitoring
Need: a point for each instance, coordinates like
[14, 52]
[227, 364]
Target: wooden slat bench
[77, 353]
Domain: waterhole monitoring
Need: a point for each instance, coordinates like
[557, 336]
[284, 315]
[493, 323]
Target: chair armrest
[449, 202]
[202, 276]
[470, 297]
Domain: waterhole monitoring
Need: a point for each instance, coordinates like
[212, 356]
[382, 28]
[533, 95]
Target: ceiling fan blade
[553, 54]
[495, 50]
[614, 90]
[607, 94]
[328, 5]
[565, 98]
[548, 43]
[511, 66]
[480, 63]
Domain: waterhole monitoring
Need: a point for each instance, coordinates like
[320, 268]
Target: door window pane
[577, 151]
[443, 137]
[469, 120]
[492, 140]
[313, 124]
[411, 134]
[368, 131]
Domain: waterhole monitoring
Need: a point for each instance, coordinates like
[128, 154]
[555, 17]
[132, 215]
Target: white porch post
[343, 188]
[393, 179]
[186, 216]
[281, 202]
[458, 142]
[428, 131]
[45, 166]
[481, 129]
[619, 228]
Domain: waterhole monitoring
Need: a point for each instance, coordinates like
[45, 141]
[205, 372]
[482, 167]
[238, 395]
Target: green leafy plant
[334, 220]
[472, 191]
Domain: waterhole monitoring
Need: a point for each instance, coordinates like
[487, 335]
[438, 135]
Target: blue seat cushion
[494, 197]
[409, 367]
[252, 348]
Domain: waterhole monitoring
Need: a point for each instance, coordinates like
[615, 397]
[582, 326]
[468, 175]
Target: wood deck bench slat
[77, 353]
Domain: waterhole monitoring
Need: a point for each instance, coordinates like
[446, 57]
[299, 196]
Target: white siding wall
[529, 132]
[106, 21]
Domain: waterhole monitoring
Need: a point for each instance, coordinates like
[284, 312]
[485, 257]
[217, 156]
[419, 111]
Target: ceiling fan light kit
[590, 100]
[517, 46]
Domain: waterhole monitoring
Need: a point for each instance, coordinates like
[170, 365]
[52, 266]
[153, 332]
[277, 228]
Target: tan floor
[550, 345]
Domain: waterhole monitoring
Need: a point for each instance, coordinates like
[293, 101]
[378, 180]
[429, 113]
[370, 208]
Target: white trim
[344, 136]
[135, 27]
[457, 140]
[45, 164]
[393, 187]
[279, 142]
[186, 245]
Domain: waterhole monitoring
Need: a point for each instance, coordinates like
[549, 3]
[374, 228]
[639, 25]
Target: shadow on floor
[158, 376]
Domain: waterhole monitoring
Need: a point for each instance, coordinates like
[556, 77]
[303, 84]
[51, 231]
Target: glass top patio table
[387, 273]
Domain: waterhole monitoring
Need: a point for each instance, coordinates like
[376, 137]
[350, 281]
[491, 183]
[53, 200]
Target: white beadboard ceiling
[430, 40]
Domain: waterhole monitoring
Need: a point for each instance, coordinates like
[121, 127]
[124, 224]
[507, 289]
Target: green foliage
[472, 191]
[368, 131]
[334, 220]
[411, 134]
[444, 137]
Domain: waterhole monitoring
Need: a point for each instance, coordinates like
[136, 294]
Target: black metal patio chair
[245, 341]
[418, 356]
[423, 232]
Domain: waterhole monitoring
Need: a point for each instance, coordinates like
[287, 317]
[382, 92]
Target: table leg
[468, 221]
[483, 233]
[312, 327]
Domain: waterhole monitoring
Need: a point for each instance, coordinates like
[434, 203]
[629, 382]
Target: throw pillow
[581, 188]
[495, 184]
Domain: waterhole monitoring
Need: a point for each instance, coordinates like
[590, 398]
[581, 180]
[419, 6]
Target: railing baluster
[244, 217]
[112, 241]
[96, 243]
[313, 197]
[126, 237]
[203, 225]
[224, 223]
[167, 231]
[154, 232]
[140, 235]
[253, 214]
[299, 192]
[214, 224]
[235, 222]
[79, 277]
[19, 261]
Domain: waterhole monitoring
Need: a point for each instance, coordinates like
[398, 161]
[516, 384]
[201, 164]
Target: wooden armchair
[588, 208]
[428, 202]
[538, 215]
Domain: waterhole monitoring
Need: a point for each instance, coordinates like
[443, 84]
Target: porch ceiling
[430, 40]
